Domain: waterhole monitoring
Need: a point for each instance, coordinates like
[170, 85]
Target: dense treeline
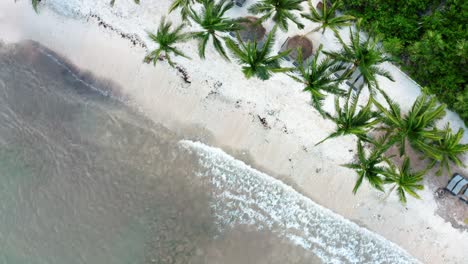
[428, 39]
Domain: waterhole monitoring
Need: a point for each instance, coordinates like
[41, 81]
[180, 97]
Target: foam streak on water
[244, 195]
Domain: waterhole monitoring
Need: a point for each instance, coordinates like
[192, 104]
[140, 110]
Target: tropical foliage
[403, 179]
[281, 11]
[257, 59]
[113, 2]
[429, 37]
[364, 56]
[369, 166]
[184, 6]
[316, 76]
[350, 121]
[212, 20]
[328, 17]
[450, 149]
[166, 38]
[417, 127]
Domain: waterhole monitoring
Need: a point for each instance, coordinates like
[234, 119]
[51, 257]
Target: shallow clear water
[84, 179]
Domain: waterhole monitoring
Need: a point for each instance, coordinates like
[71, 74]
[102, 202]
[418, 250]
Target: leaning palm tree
[450, 149]
[350, 121]
[369, 166]
[316, 77]
[212, 20]
[166, 38]
[403, 179]
[184, 6]
[417, 127]
[328, 17]
[258, 60]
[363, 56]
[113, 2]
[281, 11]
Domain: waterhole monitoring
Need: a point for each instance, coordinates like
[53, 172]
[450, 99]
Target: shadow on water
[85, 179]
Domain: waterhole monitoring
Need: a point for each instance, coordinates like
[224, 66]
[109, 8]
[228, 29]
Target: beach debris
[133, 38]
[238, 103]
[264, 122]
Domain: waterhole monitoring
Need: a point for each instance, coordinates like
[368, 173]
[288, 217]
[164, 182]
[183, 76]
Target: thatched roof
[300, 41]
[251, 29]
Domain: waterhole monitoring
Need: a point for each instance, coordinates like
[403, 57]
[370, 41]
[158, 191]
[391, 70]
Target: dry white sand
[221, 101]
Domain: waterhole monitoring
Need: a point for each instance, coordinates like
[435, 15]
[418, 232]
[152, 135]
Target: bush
[429, 37]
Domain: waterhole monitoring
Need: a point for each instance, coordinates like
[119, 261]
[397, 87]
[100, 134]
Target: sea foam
[243, 195]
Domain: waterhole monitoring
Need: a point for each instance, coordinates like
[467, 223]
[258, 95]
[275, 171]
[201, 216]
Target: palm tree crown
[279, 10]
[450, 149]
[403, 179]
[166, 38]
[184, 6]
[112, 2]
[369, 167]
[316, 75]
[363, 56]
[212, 20]
[328, 17]
[257, 60]
[417, 126]
[349, 121]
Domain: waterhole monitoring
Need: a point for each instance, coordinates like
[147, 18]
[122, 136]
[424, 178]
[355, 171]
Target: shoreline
[235, 111]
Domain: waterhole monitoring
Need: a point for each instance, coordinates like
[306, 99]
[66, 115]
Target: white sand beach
[227, 108]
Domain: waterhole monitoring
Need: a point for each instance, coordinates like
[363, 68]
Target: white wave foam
[244, 195]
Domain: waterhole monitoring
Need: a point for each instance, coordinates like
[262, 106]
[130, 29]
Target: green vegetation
[257, 60]
[327, 17]
[316, 76]
[425, 33]
[113, 2]
[281, 11]
[363, 56]
[212, 20]
[166, 38]
[429, 37]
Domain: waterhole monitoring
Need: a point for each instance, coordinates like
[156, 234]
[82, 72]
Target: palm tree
[257, 60]
[184, 6]
[212, 20]
[113, 2]
[350, 122]
[328, 17]
[403, 179]
[280, 10]
[363, 56]
[35, 3]
[166, 38]
[416, 127]
[368, 167]
[450, 149]
[316, 77]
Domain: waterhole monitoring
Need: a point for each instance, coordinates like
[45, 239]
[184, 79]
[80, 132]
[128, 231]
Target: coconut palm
[316, 77]
[350, 121]
[281, 11]
[416, 127]
[369, 166]
[328, 17]
[450, 149]
[184, 6]
[403, 179]
[212, 20]
[363, 56]
[35, 3]
[113, 2]
[257, 60]
[166, 38]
